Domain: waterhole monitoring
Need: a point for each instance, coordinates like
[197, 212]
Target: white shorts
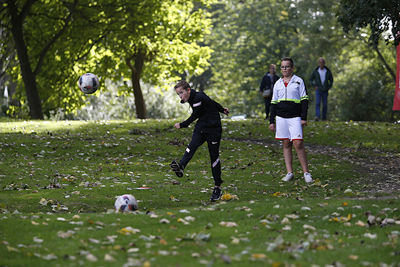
[288, 128]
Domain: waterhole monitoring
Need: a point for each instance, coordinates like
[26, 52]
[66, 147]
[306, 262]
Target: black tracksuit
[208, 128]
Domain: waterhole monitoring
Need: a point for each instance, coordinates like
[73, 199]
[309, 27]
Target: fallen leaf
[258, 256]
[164, 221]
[235, 240]
[369, 235]
[9, 248]
[222, 246]
[37, 240]
[360, 223]
[228, 224]
[353, 257]
[184, 211]
[202, 237]
[43, 202]
[91, 257]
[128, 230]
[94, 241]
[67, 234]
[190, 218]
[309, 227]
[108, 257]
[50, 257]
[348, 191]
[292, 216]
[182, 221]
[226, 197]
[285, 221]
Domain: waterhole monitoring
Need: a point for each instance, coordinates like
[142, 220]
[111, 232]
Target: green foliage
[166, 32]
[382, 16]
[85, 36]
[363, 90]
[248, 36]
[65, 35]
[222, 47]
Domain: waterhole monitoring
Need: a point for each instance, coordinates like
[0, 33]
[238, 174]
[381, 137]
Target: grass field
[59, 180]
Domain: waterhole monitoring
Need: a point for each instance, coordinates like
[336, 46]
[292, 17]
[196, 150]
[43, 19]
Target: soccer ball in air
[125, 203]
[88, 83]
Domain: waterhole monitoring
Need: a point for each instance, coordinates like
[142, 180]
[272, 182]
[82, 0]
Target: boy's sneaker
[307, 177]
[216, 194]
[177, 168]
[288, 177]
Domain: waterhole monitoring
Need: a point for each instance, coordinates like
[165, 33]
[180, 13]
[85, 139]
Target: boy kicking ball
[208, 128]
[289, 105]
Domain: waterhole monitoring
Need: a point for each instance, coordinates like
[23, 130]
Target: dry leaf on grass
[228, 224]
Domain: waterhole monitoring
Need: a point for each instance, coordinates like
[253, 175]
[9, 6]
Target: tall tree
[40, 49]
[381, 16]
[17, 19]
[250, 35]
[154, 41]
[134, 40]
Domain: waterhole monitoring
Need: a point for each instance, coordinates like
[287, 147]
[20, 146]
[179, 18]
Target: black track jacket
[205, 110]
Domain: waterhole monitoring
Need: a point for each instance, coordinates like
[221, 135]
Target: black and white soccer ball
[126, 203]
[88, 83]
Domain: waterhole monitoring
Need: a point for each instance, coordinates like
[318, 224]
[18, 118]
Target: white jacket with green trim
[289, 101]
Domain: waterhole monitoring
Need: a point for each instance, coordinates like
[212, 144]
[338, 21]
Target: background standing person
[288, 116]
[208, 128]
[322, 80]
[266, 87]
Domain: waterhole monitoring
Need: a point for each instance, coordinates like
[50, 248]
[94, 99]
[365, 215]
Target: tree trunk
[388, 68]
[29, 78]
[137, 69]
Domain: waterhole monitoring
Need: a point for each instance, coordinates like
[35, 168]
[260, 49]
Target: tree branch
[90, 48]
[388, 68]
[26, 8]
[3, 9]
[46, 48]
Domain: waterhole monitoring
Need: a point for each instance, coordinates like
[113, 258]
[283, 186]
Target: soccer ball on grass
[125, 203]
[88, 83]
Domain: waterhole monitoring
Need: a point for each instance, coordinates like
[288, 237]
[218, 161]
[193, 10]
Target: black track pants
[213, 140]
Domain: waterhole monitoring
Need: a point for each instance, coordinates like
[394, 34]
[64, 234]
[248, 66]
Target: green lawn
[59, 180]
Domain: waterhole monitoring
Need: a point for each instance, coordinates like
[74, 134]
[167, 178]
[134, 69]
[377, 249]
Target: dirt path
[381, 168]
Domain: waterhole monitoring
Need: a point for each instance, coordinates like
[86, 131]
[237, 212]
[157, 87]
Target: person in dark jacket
[208, 128]
[267, 86]
[322, 80]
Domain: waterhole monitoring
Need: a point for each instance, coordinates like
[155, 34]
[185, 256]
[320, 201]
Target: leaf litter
[278, 244]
